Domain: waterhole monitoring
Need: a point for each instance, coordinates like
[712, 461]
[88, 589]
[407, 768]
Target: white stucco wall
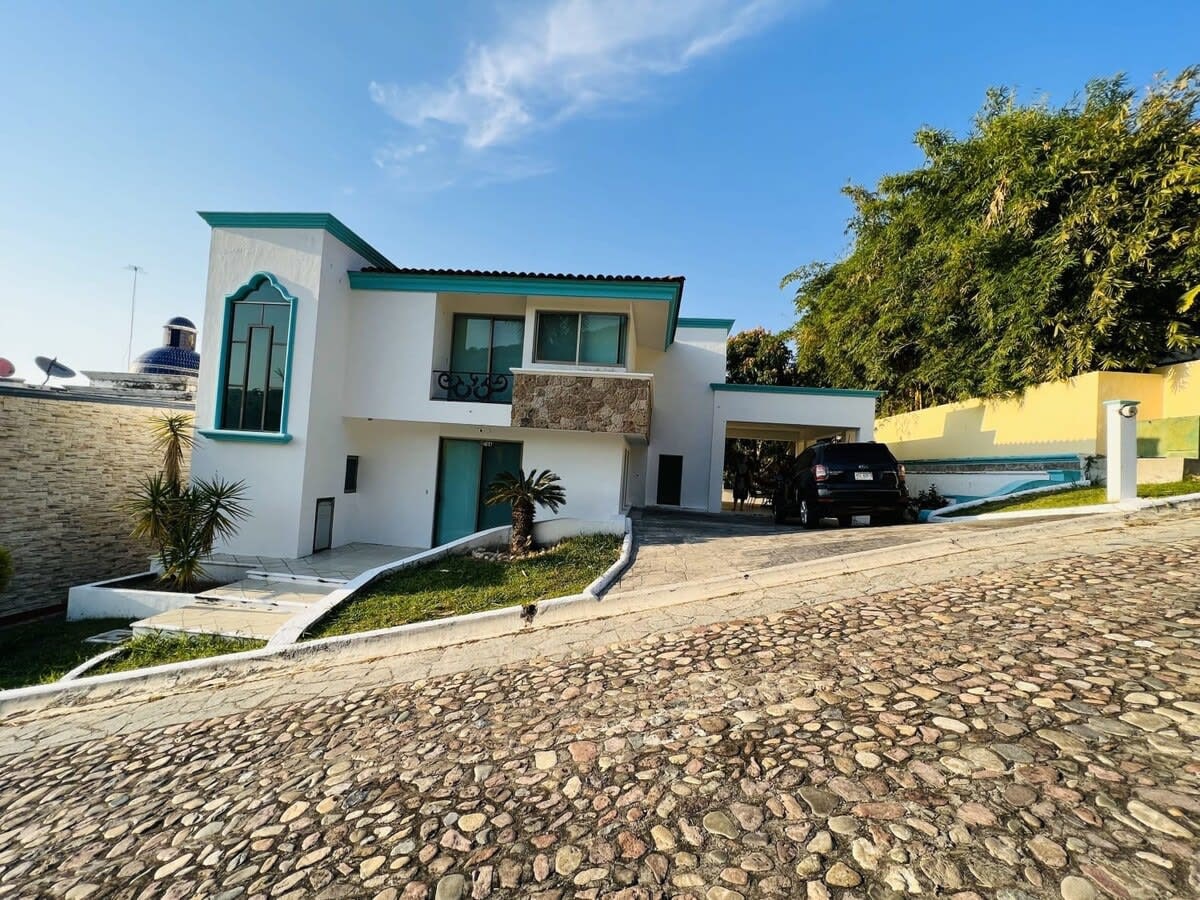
[397, 484]
[395, 337]
[272, 472]
[682, 421]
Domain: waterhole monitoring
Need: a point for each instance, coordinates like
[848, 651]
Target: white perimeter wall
[778, 408]
[682, 422]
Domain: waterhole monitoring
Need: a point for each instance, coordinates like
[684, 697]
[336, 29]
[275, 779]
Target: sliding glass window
[596, 339]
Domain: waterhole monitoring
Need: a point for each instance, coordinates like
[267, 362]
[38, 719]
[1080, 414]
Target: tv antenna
[53, 368]
[132, 306]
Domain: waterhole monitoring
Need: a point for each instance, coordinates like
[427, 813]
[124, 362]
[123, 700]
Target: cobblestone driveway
[1032, 733]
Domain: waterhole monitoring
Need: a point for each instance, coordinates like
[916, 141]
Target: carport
[796, 415]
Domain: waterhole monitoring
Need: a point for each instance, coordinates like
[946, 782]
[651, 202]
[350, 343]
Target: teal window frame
[254, 283]
[622, 338]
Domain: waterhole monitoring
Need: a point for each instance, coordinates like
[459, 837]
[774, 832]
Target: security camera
[1128, 410]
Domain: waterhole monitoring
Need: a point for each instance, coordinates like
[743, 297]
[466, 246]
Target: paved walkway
[963, 726]
[681, 546]
[339, 564]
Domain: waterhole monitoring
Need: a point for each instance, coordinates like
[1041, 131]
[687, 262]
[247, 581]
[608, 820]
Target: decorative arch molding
[254, 284]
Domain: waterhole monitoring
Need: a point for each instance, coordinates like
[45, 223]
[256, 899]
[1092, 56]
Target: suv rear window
[856, 454]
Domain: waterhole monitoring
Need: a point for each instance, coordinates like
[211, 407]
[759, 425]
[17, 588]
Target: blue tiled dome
[177, 355]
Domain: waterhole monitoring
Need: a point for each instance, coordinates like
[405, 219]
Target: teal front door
[465, 469]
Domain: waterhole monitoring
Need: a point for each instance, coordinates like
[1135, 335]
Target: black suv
[841, 480]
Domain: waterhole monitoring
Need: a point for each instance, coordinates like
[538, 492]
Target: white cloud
[569, 58]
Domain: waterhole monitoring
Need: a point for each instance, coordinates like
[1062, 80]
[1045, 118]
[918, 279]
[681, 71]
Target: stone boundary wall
[584, 402]
[66, 467]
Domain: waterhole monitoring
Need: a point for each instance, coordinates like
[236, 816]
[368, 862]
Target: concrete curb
[441, 633]
[597, 588]
[88, 664]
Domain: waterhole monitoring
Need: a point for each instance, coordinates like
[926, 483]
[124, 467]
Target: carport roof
[786, 389]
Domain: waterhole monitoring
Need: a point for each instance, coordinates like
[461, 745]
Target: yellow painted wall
[1181, 389]
[1056, 418]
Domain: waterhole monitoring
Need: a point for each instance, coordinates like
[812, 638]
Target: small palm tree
[525, 492]
[183, 522]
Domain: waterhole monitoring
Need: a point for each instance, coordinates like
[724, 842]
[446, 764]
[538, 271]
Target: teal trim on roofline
[985, 460]
[724, 324]
[599, 289]
[324, 221]
[784, 389]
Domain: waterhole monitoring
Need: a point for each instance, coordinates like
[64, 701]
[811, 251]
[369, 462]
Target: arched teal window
[255, 368]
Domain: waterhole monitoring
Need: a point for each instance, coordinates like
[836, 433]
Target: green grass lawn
[462, 584]
[47, 649]
[159, 649]
[1080, 496]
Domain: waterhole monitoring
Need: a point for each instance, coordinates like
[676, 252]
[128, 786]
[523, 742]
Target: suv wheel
[808, 515]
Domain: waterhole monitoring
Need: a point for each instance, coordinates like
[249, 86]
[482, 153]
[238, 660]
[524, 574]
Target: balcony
[597, 402]
[472, 387]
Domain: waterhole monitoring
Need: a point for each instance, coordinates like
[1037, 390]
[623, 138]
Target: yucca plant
[524, 493]
[183, 522]
[173, 437]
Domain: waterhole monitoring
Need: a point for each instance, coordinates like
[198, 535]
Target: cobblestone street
[1031, 732]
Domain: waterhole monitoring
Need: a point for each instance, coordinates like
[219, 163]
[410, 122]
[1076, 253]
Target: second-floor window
[483, 352]
[595, 339]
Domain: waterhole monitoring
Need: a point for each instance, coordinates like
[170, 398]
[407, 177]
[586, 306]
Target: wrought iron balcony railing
[472, 387]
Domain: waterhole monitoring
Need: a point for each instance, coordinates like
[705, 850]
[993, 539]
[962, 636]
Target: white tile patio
[339, 564]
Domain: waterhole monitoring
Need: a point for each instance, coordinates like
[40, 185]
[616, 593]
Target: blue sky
[707, 138]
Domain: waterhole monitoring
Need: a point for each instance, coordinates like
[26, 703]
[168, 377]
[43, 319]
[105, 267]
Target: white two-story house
[360, 401]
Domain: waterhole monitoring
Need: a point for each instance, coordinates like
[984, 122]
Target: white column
[1121, 423]
[716, 459]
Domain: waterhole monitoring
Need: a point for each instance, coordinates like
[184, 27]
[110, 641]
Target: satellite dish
[53, 368]
[6, 368]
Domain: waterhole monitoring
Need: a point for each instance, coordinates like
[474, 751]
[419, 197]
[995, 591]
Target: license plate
[864, 476]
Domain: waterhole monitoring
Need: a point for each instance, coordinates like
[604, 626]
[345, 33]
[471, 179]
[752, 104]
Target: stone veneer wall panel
[66, 467]
[585, 402]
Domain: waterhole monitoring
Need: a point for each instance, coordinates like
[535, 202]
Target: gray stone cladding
[582, 402]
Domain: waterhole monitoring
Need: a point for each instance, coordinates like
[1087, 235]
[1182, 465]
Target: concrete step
[242, 622]
[272, 592]
[252, 608]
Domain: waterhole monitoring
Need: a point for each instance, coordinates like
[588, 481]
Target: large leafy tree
[1045, 243]
[759, 357]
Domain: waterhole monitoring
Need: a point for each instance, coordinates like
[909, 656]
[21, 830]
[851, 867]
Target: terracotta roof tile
[496, 274]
